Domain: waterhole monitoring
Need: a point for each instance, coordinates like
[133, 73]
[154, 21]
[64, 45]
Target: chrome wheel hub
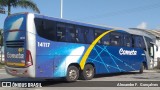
[89, 72]
[72, 74]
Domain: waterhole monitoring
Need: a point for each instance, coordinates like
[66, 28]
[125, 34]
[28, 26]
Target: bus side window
[61, 32]
[70, 34]
[106, 40]
[139, 42]
[39, 27]
[80, 35]
[96, 34]
[49, 30]
[45, 28]
[142, 43]
[89, 35]
[116, 39]
[127, 40]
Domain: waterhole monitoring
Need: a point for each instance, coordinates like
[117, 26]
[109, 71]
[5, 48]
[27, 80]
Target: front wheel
[88, 72]
[72, 74]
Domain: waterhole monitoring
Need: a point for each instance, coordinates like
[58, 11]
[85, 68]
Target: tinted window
[96, 34]
[71, 33]
[106, 40]
[139, 42]
[127, 40]
[39, 27]
[89, 35]
[80, 35]
[61, 32]
[50, 29]
[116, 39]
[46, 28]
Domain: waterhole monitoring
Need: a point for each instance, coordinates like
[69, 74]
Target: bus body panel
[53, 61]
[31, 43]
[52, 58]
[44, 61]
[108, 59]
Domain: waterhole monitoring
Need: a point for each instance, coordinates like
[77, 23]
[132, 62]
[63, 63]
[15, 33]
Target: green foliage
[1, 37]
[1, 65]
[19, 3]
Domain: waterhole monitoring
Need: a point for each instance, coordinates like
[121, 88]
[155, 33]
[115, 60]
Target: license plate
[14, 71]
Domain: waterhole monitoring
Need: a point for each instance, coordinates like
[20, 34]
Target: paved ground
[147, 76]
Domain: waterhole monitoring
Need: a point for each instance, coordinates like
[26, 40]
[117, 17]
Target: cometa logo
[127, 52]
[15, 55]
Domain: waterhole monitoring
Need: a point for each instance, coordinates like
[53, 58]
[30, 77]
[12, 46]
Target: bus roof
[103, 27]
[72, 22]
[131, 31]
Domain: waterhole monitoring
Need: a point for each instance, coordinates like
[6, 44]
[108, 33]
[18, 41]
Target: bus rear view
[18, 56]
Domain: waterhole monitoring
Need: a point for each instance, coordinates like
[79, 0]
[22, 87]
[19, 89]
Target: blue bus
[44, 47]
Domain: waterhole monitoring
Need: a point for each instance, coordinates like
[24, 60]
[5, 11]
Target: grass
[1, 65]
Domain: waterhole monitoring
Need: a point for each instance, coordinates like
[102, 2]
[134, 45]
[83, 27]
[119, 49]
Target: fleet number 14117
[43, 44]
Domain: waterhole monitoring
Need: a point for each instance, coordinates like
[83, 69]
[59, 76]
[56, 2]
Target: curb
[158, 71]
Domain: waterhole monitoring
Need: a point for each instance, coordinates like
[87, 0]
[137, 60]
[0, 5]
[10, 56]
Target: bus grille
[15, 44]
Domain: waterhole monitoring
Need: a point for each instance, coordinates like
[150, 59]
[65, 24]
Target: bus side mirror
[144, 49]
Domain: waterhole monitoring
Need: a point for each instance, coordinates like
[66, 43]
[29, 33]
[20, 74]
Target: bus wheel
[72, 74]
[141, 68]
[88, 72]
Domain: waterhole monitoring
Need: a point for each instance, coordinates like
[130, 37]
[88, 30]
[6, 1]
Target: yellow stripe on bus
[16, 64]
[85, 56]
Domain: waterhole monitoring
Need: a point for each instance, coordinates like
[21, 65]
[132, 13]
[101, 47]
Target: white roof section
[154, 33]
[131, 31]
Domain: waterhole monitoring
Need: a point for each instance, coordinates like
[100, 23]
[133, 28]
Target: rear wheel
[88, 72]
[72, 74]
[141, 68]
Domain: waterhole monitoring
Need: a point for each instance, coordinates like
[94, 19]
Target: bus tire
[141, 68]
[88, 72]
[72, 74]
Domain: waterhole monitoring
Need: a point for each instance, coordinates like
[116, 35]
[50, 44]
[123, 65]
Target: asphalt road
[100, 82]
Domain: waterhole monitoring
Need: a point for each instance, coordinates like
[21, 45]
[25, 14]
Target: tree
[1, 46]
[19, 3]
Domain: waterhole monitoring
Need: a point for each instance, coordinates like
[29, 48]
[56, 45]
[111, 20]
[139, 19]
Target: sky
[114, 13]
